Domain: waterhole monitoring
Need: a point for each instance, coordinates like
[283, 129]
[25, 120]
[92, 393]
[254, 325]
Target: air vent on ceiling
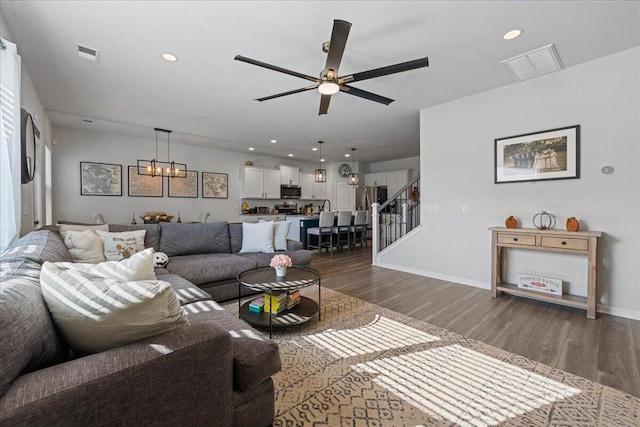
[535, 63]
[88, 53]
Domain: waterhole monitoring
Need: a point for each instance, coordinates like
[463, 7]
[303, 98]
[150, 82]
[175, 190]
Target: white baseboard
[606, 309]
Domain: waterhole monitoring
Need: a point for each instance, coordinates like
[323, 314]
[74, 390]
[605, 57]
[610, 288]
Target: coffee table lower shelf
[301, 313]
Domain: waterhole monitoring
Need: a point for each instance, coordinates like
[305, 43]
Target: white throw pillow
[257, 237]
[65, 228]
[94, 313]
[138, 267]
[84, 246]
[280, 231]
[122, 245]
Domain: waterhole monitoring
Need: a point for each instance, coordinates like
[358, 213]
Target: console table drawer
[517, 239]
[565, 243]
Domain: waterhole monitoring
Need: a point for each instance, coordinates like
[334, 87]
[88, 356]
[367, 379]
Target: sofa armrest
[294, 245]
[183, 377]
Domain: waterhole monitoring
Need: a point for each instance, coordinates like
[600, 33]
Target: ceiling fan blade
[291, 92]
[337, 44]
[324, 104]
[364, 94]
[276, 68]
[391, 69]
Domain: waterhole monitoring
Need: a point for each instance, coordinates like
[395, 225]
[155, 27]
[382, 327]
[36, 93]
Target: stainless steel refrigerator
[365, 196]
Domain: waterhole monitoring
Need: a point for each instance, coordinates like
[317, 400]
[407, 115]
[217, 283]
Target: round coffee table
[264, 279]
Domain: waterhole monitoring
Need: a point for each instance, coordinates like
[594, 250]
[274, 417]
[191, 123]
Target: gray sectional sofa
[214, 372]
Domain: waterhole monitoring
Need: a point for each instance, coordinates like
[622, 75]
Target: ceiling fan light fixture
[328, 88]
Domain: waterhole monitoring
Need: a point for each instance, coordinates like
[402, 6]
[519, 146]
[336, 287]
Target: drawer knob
[515, 239]
[563, 242]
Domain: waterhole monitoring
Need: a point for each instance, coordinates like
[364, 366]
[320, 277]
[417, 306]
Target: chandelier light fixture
[166, 168]
[321, 174]
[353, 177]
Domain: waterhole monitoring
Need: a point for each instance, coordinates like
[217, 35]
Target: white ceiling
[207, 97]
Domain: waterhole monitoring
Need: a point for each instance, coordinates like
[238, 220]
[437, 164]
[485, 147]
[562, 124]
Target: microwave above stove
[290, 191]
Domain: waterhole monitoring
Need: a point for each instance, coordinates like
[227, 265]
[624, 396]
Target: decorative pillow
[65, 228]
[84, 246]
[280, 231]
[94, 313]
[122, 245]
[160, 260]
[138, 267]
[257, 237]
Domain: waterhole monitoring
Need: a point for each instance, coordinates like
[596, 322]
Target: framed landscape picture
[100, 179]
[215, 185]
[184, 187]
[144, 185]
[538, 156]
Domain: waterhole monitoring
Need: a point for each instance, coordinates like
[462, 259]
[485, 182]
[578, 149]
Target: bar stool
[324, 229]
[342, 230]
[359, 229]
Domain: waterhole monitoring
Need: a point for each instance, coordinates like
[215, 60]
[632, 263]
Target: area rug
[364, 365]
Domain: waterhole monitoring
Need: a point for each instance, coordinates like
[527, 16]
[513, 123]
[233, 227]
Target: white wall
[76, 145]
[457, 143]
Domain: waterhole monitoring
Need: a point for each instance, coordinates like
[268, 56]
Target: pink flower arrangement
[280, 260]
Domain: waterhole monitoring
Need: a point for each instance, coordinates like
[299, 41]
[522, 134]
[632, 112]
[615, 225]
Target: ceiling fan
[329, 81]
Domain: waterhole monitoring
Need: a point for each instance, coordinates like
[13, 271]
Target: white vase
[281, 271]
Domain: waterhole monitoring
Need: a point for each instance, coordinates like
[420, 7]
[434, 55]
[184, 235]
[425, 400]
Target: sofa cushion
[151, 238]
[28, 339]
[301, 257]
[255, 357]
[94, 313]
[186, 291]
[235, 235]
[199, 238]
[205, 268]
[38, 246]
[257, 237]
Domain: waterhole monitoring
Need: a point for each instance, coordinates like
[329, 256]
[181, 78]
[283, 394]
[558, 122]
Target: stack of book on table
[275, 303]
[257, 305]
[293, 298]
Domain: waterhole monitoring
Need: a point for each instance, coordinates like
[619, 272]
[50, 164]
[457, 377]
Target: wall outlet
[432, 208]
[465, 209]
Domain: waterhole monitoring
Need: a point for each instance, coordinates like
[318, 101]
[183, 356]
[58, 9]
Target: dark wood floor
[605, 350]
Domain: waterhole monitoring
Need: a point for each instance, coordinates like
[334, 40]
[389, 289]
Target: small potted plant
[280, 262]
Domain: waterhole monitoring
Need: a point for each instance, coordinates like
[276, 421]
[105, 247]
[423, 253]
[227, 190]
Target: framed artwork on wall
[100, 179]
[215, 185]
[538, 156]
[184, 187]
[144, 185]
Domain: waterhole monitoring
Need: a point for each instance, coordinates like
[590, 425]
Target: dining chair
[324, 229]
[342, 230]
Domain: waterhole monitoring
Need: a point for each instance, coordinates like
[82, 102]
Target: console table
[580, 242]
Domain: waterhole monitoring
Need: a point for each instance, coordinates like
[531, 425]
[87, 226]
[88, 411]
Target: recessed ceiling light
[322, 160]
[251, 148]
[347, 155]
[169, 57]
[513, 34]
[273, 141]
[314, 149]
[290, 155]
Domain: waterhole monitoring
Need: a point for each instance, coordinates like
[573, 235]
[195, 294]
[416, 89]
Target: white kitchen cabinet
[310, 189]
[261, 183]
[396, 180]
[375, 179]
[289, 175]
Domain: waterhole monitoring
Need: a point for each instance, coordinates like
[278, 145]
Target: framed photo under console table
[579, 242]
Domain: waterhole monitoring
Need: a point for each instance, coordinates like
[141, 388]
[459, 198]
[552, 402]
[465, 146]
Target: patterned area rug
[364, 365]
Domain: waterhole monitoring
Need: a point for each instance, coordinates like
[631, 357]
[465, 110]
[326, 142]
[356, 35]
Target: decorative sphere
[160, 259]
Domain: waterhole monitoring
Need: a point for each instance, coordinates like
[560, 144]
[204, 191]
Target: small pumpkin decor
[572, 224]
[511, 222]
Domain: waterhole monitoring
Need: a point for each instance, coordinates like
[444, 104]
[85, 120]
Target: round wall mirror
[28, 136]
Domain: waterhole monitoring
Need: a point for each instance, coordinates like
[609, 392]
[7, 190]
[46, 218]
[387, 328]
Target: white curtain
[10, 144]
